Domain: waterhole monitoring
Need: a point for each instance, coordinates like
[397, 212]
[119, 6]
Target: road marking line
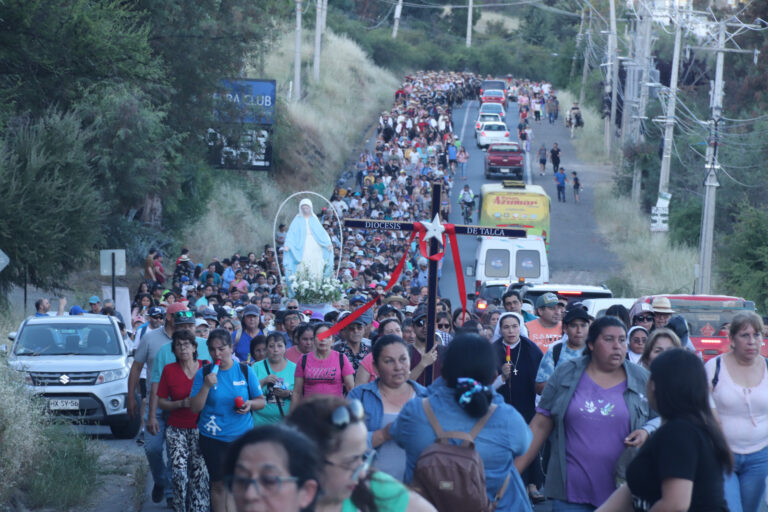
[464, 124]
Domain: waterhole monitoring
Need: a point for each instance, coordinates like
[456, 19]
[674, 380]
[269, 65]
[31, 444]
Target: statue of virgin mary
[308, 247]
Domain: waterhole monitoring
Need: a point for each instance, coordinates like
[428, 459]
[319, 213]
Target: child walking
[576, 186]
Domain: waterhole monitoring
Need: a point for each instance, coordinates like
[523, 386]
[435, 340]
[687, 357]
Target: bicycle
[466, 211]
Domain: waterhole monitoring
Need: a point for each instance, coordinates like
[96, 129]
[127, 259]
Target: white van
[511, 260]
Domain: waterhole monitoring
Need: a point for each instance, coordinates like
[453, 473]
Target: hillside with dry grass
[319, 135]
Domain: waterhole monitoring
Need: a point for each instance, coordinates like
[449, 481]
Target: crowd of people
[251, 406]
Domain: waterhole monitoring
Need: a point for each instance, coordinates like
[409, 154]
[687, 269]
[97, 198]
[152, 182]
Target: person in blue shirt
[216, 396]
[505, 436]
[561, 179]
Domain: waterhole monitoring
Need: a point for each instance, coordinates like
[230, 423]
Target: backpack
[243, 368]
[452, 477]
[556, 351]
[716, 377]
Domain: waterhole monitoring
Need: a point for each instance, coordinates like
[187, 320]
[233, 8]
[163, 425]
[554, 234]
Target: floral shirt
[355, 359]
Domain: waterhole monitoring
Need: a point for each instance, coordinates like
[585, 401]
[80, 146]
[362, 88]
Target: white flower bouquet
[310, 290]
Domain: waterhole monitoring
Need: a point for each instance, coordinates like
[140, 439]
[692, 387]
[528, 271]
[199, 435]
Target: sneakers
[157, 493]
[140, 438]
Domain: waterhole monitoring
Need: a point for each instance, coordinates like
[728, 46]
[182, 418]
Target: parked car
[708, 318]
[597, 307]
[504, 161]
[484, 118]
[493, 84]
[492, 132]
[574, 292]
[494, 96]
[493, 108]
[80, 365]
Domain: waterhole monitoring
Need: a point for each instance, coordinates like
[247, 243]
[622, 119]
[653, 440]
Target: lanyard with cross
[431, 231]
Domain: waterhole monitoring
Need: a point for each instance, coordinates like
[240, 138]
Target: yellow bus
[514, 204]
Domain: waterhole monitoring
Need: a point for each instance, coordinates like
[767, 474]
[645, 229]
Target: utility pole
[669, 120]
[578, 43]
[325, 16]
[711, 184]
[587, 55]
[636, 132]
[297, 56]
[318, 36]
[630, 86]
[469, 24]
[614, 79]
[398, 12]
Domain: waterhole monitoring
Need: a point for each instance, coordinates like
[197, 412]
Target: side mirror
[12, 335]
[469, 271]
[471, 296]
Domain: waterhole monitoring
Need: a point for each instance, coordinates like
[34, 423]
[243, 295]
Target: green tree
[50, 215]
[744, 255]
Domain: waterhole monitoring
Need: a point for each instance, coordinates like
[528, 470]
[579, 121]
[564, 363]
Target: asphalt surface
[577, 253]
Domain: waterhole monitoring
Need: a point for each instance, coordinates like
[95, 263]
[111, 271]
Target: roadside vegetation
[44, 463]
[318, 136]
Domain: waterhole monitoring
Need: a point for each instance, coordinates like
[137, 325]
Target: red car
[708, 318]
[493, 96]
[504, 160]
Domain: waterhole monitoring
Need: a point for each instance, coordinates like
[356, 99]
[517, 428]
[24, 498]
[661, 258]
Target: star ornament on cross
[435, 229]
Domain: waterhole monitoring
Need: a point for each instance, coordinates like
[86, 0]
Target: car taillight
[481, 304]
[506, 134]
[477, 285]
[568, 292]
[482, 133]
[477, 126]
[709, 341]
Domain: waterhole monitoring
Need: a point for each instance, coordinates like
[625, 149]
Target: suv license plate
[64, 405]
[505, 170]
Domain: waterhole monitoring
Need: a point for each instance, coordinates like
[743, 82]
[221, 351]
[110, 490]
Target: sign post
[112, 263]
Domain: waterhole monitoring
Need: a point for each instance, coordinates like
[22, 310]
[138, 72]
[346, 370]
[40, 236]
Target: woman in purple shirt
[594, 407]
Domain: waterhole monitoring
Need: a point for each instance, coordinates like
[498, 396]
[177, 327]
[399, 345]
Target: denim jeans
[745, 487]
[564, 506]
[154, 447]
[463, 166]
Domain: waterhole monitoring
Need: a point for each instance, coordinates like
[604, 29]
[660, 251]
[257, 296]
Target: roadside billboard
[244, 113]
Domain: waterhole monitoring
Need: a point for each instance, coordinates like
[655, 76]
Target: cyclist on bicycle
[467, 202]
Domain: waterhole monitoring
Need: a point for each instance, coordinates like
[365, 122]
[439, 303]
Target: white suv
[80, 365]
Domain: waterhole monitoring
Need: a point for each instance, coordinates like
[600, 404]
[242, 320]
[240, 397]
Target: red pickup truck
[504, 160]
[708, 318]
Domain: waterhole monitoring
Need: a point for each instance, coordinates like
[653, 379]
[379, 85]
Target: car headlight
[112, 375]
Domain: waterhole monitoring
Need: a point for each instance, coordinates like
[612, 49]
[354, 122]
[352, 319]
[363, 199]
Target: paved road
[577, 252]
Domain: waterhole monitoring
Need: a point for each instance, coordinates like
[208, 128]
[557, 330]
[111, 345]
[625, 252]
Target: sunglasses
[264, 484]
[646, 318]
[351, 412]
[444, 326]
[157, 317]
[361, 469]
[185, 314]
[292, 307]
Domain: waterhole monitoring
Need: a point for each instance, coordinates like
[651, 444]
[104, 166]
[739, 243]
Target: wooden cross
[393, 225]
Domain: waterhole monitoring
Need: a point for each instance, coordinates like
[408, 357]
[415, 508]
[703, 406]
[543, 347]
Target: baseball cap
[210, 314]
[183, 317]
[356, 298]
[251, 310]
[94, 299]
[200, 321]
[175, 308]
[548, 299]
[156, 311]
[76, 310]
[576, 314]
[345, 314]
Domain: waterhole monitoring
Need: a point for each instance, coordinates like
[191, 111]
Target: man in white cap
[662, 311]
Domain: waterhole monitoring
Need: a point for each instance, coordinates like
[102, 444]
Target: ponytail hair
[469, 367]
